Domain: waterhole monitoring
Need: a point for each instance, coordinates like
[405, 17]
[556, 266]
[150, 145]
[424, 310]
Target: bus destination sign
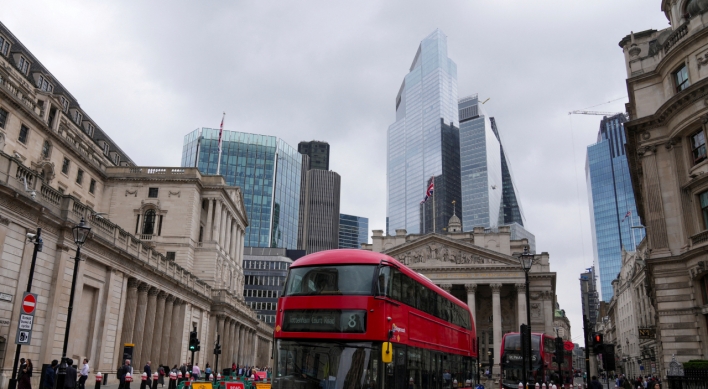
[330, 320]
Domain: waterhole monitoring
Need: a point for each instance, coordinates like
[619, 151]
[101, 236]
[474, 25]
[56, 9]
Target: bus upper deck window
[383, 281]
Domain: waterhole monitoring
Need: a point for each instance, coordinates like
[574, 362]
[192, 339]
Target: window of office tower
[698, 145]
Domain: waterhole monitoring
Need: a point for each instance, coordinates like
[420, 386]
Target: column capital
[153, 291]
[170, 298]
[471, 288]
[446, 287]
[143, 288]
[496, 288]
[521, 288]
[177, 301]
[133, 283]
[162, 295]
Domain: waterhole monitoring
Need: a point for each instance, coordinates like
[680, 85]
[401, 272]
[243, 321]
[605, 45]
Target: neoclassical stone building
[667, 83]
[478, 268]
[164, 255]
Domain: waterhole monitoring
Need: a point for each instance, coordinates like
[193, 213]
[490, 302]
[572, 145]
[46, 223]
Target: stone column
[166, 327]
[157, 328]
[229, 330]
[471, 303]
[240, 245]
[131, 305]
[497, 325]
[148, 341]
[234, 344]
[521, 303]
[548, 309]
[222, 228]
[217, 220]
[209, 228]
[140, 325]
[446, 287]
[239, 348]
[175, 353]
[227, 235]
[234, 239]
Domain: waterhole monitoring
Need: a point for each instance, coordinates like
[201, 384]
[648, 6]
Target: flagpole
[434, 204]
[631, 230]
[221, 130]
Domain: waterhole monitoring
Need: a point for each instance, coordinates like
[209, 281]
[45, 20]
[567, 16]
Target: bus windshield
[330, 280]
[329, 365]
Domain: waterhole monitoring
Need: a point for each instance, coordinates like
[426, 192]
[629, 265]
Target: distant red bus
[343, 313]
[543, 369]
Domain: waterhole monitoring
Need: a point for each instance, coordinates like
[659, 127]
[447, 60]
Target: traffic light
[217, 349]
[193, 341]
[597, 344]
[560, 352]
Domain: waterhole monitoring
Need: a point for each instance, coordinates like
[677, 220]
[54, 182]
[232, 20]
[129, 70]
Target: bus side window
[408, 291]
[383, 281]
[396, 285]
[422, 298]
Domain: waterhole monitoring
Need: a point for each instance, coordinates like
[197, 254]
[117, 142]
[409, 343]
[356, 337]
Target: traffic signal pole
[587, 349]
[217, 351]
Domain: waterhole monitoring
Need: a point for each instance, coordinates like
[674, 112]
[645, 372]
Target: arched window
[149, 222]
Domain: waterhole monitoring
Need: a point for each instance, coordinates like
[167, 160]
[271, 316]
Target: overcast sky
[150, 72]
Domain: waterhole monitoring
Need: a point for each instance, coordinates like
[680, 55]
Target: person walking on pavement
[84, 374]
[595, 384]
[148, 370]
[125, 369]
[24, 381]
[196, 372]
[71, 375]
[50, 375]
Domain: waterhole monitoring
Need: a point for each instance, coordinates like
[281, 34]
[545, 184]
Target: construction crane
[580, 112]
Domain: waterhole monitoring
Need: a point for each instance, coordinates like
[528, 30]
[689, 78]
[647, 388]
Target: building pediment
[437, 250]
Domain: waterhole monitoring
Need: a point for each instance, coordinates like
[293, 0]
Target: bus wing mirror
[386, 352]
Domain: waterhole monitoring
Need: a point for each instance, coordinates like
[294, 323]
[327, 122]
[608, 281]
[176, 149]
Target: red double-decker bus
[354, 319]
[544, 369]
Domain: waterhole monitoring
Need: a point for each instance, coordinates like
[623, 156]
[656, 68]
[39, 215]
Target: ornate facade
[667, 83]
[478, 268]
[165, 251]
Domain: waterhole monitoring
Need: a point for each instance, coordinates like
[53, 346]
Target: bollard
[543, 386]
[143, 381]
[128, 380]
[218, 376]
[155, 377]
[538, 386]
[173, 380]
[211, 377]
[554, 386]
[521, 385]
[99, 379]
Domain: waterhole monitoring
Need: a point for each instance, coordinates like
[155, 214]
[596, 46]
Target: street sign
[5, 297]
[4, 323]
[29, 302]
[234, 385]
[26, 319]
[201, 385]
[647, 333]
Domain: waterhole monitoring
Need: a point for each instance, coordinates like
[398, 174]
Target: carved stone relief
[438, 252]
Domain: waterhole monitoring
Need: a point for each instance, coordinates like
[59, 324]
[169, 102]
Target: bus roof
[365, 257]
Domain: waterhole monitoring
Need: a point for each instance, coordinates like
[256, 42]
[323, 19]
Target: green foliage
[696, 364]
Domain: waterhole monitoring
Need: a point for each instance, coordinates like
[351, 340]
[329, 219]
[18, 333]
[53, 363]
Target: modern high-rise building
[353, 231]
[320, 224]
[489, 196]
[265, 270]
[426, 103]
[589, 296]
[613, 211]
[318, 153]
[268, 171]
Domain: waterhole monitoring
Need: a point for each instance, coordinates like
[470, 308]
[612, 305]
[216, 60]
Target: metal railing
[675, 37]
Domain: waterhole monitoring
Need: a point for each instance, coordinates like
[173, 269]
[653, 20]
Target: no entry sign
[26, 319]
[29, 303]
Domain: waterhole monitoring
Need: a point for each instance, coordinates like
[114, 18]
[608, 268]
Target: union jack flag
[429, 190]
[629, 213]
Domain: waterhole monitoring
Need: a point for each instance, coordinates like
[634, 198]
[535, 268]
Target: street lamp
[80, 232]
[526, 259]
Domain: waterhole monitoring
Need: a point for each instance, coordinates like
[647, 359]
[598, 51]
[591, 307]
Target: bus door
[396, 370]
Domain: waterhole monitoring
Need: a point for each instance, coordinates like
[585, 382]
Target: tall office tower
[268, 171]
[613, 211]
[425, 104]
[353, 231]
[318, 153]
[511, 207]
[588, 296]
[320, 227]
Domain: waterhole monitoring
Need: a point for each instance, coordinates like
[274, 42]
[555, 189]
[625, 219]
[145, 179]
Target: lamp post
[80, 232]
[526, 259]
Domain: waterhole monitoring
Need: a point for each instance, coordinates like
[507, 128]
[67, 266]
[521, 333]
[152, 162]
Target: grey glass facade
[353, 231]
[613, 211]
[426, 100]
[268, 171]
[265, 270]
[318, 153]
[589, 297]
[480, 167]
[511, 207]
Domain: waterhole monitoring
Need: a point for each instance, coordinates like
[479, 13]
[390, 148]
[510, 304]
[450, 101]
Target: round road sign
[29, 303]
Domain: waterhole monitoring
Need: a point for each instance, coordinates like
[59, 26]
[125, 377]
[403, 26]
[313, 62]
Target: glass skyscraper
[353, 231]
[267, 170]
[426, 102]
[613, 211]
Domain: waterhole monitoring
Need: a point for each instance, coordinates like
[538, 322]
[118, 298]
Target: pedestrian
[148, 370]
[161, 376]
[71, 375]
[196, 372]
[125, 369]
[207, 370]
[595, 384]
[183, 370]
[24, 380]
[84, 374]
[50, 375]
